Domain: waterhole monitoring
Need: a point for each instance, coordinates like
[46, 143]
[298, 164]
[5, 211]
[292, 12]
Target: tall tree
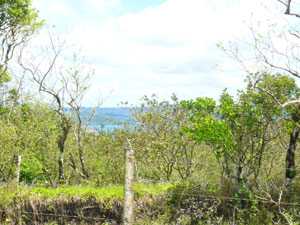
[66, 83]
[270, 91]
[275, 49]
[18, 23]
[164, 150]
[235, 130]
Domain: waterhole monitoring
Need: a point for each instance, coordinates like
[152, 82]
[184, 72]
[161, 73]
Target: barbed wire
[216, 197]
[64, 215]
[231, 165]
[205, 198]
[102, 219]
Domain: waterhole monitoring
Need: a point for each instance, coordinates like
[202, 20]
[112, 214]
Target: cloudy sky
[141, 47]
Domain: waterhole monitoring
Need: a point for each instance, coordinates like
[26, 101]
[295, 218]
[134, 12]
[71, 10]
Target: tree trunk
[80, 148]
[61, 145]
[238, 172]
[290, 156]
[61, 166]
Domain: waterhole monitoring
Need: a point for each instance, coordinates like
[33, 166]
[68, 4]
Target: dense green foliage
[237, 131]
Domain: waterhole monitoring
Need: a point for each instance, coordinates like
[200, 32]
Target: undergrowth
[175, 203]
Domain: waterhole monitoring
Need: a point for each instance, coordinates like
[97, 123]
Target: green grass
[142, 189]
[84, 193]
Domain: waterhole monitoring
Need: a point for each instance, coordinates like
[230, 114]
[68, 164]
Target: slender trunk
[257, 169]
[19, 168]
[239, 168]
[290, 156]
[78, 136]
[238, 172]
[61, 145]
[73, 165]
[10, 174]
[226, 167]
[81, 158]
[61, 166]
[48, 173]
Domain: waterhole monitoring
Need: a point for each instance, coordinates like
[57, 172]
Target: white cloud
[170, 48]
[59, 7]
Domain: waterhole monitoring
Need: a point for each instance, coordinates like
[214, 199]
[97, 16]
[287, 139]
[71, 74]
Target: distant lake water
[106, 128]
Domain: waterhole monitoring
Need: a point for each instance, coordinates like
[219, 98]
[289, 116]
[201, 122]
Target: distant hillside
[103, 115]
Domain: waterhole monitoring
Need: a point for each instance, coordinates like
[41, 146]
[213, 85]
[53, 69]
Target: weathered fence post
[19, 168]
[128, 216]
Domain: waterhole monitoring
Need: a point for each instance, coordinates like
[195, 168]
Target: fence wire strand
[215, 197]
[64, 215]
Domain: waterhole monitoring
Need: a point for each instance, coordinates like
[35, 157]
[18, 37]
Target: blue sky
[136, 6]
[141, 47]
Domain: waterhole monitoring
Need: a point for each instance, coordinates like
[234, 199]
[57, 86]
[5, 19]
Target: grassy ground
[69, 204]
[154, 204]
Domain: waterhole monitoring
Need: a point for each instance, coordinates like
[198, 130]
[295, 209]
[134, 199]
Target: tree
[27, 135]
[80, 127]
[281, 88]
[160, 145]
[288, 4]
[66, 87]
[236, 131]
[18, 23]
[275, 50]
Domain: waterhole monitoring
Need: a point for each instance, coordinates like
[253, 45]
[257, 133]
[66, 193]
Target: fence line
[217, 164]
[212, 197]
[63, 215]
[206, 198]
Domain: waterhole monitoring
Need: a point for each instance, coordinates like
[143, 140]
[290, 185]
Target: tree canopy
[18, 23]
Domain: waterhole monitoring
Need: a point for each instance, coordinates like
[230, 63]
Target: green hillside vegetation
[212, 161]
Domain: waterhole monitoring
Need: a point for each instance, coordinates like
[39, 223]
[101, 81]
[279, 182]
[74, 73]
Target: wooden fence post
[19, 168]
[128, 216]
